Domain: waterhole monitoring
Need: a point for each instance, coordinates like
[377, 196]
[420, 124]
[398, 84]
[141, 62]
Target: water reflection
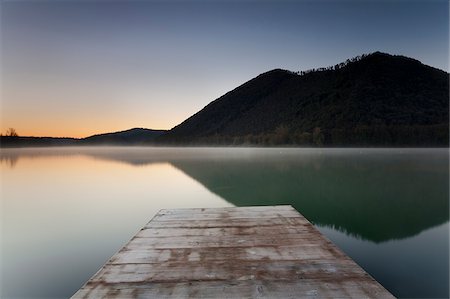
[65, 213]
[9, 160]
[387, 209]
[372, 194]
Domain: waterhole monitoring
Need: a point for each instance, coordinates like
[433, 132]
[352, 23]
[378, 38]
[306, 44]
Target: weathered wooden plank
[277, 229]
[241, 222]
[235, 254]
[229, 210]
[212, 214]
[252, 252]
[305, 288]
[224, 241]
[326, 270]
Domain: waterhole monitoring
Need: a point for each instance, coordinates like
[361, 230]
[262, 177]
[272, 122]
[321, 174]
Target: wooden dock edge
[236, 252]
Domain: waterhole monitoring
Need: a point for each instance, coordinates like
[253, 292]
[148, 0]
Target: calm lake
[66, 211]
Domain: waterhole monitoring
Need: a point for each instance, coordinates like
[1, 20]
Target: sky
[76, 68]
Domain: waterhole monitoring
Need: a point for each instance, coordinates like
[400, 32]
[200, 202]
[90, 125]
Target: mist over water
[65, 211]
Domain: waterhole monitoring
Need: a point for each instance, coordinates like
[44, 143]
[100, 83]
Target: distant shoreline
[42, 142]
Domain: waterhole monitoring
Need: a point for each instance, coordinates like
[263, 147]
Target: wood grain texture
[245, 252]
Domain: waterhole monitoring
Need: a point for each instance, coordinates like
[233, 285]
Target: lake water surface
[66, 211]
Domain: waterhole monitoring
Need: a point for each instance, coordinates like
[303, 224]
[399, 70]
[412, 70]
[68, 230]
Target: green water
[388, 209]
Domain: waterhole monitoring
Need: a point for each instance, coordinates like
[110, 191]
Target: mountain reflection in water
[372, 194]
[386, 208]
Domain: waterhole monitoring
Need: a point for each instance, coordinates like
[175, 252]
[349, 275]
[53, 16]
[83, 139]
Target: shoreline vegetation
[417, 136]
[373, 100]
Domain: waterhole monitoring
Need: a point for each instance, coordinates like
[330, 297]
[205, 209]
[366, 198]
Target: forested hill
[135, 136]
[371, 100]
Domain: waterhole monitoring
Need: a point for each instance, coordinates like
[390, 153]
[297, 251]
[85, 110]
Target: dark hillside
[373, 100]
[134, 136]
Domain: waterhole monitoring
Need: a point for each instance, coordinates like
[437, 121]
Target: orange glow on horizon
[84, 124]
[73, 131]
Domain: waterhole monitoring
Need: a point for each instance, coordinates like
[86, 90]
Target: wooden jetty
[242, 252]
